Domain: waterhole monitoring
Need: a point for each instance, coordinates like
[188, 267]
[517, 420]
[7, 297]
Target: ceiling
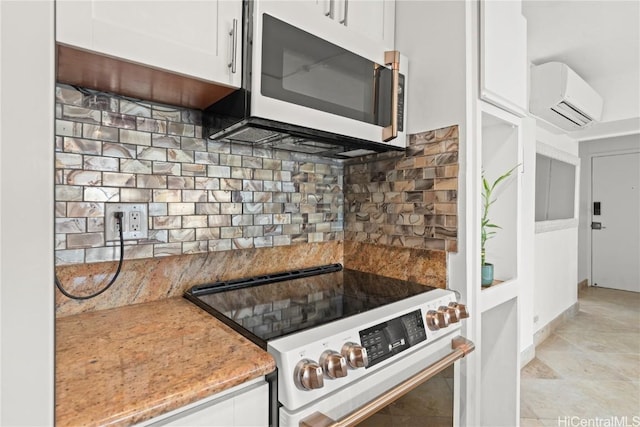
[600, 41]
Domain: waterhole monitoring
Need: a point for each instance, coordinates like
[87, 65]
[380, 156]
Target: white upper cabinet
[374, 19]
[503, 55]
[191, 38]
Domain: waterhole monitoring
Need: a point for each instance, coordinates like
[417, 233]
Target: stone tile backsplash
[407, 200]
[202, 195]
[222, 211]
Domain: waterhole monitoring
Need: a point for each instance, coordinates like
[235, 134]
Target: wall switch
[134, 221]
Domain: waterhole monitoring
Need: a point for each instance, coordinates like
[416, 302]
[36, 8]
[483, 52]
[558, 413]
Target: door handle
[234, 43]
[330, 12]
[597, 226]
[345, 10]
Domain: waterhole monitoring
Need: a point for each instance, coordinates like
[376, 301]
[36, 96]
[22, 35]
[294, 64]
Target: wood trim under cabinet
[107, 74]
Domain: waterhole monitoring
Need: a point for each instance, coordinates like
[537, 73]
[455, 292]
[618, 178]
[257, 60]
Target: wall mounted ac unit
[562, 98]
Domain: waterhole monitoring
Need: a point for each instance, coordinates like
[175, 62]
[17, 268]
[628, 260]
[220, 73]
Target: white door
[615, 247]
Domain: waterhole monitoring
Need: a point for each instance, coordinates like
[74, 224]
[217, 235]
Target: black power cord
[118, 216]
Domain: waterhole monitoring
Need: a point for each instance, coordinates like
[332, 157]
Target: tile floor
[587, 373]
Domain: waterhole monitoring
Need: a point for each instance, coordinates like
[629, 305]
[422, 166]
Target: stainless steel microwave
[309, 88]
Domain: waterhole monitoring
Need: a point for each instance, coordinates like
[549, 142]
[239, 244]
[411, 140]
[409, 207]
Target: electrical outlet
[134, 221]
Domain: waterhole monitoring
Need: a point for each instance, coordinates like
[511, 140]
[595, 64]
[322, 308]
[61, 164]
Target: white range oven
[346, 343]
[309, 87]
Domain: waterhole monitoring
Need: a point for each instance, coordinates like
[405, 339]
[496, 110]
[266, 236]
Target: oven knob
[433, 320]
[333, 364]
[461, 310]
[453, 314]
[443, 316]
[355, 355]
[307, 375]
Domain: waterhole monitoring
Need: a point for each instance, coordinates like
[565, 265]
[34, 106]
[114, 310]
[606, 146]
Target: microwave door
[302, 69]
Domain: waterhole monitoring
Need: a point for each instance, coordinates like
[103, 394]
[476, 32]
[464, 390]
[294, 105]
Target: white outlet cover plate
[110, 224]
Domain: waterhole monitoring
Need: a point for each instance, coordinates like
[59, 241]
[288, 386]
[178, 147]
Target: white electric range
[341, 338]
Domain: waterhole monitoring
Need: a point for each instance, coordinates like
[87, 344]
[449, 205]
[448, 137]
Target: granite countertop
[125, 365]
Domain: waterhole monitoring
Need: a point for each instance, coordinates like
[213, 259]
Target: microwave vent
[248, 134]
[282, 136]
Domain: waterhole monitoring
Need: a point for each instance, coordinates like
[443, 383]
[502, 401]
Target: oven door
[369, 400]
[308, 76]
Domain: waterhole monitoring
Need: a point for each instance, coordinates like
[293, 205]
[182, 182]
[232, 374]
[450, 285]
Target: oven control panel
[320, 361]
[389, 338]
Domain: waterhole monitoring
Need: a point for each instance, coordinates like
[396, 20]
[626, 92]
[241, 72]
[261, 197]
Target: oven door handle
[461, 347]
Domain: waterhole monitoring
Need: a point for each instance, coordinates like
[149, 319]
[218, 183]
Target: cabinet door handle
[392, 57]
[330, 12]
[234, 43]
[346, 13]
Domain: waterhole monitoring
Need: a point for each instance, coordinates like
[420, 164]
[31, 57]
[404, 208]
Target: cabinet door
[503, 55]
[241, 406]
[368, 29]
[221, 414]
[374, 19]
[228, 65]
[251, 408]
[186, 37]
[368, 20]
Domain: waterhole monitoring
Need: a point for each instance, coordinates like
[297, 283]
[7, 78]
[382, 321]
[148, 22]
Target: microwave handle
[392, 58]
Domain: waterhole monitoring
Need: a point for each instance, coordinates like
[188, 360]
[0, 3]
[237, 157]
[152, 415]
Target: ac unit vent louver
[560, 97]
[572, 114]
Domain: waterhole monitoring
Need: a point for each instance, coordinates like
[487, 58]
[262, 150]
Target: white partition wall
[499, 404]
[26, 213]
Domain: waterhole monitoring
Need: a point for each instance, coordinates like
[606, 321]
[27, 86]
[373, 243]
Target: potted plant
[487, 228]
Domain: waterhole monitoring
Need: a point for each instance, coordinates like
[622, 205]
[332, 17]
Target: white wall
[555, 285]
[622, 92]
[588, 150]
[556, 274]
[26, 213]
[527, 228]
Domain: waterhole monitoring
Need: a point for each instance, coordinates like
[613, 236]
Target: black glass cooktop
[272, 306]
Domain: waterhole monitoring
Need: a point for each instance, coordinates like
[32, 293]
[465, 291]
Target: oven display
[393, 336]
